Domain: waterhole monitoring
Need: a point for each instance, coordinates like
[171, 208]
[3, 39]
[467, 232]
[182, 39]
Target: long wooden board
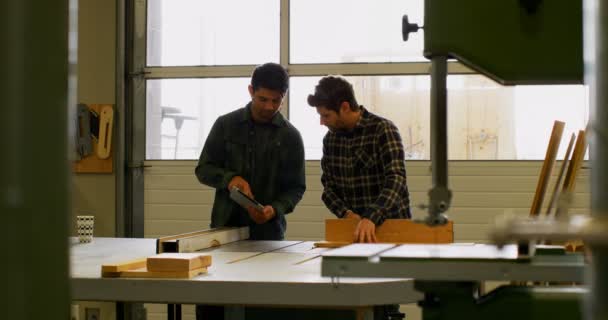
[137, 269]
[123, 266]
[578, 156]
[545, 173]
[562, 170]
[391, 231]
[144, 273]
[198, 240]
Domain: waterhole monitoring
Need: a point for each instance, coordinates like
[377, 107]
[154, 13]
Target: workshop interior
[500, 106]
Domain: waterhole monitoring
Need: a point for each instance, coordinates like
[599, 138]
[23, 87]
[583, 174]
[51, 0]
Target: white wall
[175, 202]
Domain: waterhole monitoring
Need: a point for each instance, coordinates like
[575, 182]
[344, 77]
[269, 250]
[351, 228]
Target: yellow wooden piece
[545, 173]
[144, 273]
[168, 262]
[106, 120]
[391, 231]
[137, 269]
[124, 266]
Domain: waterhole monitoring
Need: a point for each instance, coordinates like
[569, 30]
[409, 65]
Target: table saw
[277, 274]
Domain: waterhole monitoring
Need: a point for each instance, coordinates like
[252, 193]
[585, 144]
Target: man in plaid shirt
[363, 160]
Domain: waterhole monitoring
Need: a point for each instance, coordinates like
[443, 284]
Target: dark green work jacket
[272, 164]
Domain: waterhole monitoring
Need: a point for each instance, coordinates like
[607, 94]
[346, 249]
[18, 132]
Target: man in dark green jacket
[258, 151]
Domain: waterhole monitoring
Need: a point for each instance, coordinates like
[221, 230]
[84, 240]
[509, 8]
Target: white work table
[451, 262]
[263, 273]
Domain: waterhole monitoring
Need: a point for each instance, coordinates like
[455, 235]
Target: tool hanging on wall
[94, 127]
[83, 131]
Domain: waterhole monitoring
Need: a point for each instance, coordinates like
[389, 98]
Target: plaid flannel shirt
[364, 171]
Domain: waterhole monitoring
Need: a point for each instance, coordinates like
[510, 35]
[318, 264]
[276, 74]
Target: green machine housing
[510, 41]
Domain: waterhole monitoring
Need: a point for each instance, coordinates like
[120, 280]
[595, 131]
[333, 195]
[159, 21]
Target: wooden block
[144, 273]
[391, 231]
[123, 266]
[138, 269]
[167, 262]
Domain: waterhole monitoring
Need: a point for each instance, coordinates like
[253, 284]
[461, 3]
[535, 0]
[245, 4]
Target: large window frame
[294, 69]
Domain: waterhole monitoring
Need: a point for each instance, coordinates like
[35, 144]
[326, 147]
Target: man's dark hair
[271, 76]
[331, 92]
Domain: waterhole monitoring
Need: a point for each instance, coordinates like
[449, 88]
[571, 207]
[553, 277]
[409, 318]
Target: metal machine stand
[440, 196]
[596, 76]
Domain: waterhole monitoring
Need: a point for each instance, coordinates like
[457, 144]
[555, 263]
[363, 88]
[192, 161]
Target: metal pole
[595, 26]
[440, 196]
[135, 120]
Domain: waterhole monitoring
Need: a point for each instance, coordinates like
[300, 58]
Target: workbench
[244, 273]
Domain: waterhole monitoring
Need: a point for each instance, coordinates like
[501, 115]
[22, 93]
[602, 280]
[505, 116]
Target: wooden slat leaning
[575, 163]
[560, 176]
[565, 198]
[545, 173]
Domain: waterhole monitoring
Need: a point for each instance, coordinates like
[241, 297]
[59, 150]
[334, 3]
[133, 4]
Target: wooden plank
[124, 266]
[391, 231]
[578, 155]
[138, 269]
[213, 239]
[545, 173]
[144, 273]
[562, 170]
[166, 262]
[575, 163]
[198, 240]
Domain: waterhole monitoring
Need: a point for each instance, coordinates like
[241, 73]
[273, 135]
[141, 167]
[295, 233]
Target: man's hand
[242, 184]
[351, 215]
[366, 231]
[261, 216]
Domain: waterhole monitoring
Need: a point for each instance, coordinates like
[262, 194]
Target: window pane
[486, 121]
[337, 31]
[194, 32]
[402, 99]
[181, 112]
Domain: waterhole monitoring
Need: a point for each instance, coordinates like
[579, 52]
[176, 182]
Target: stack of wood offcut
[164, 265]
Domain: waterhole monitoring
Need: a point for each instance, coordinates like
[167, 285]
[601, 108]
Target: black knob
[407, 27]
